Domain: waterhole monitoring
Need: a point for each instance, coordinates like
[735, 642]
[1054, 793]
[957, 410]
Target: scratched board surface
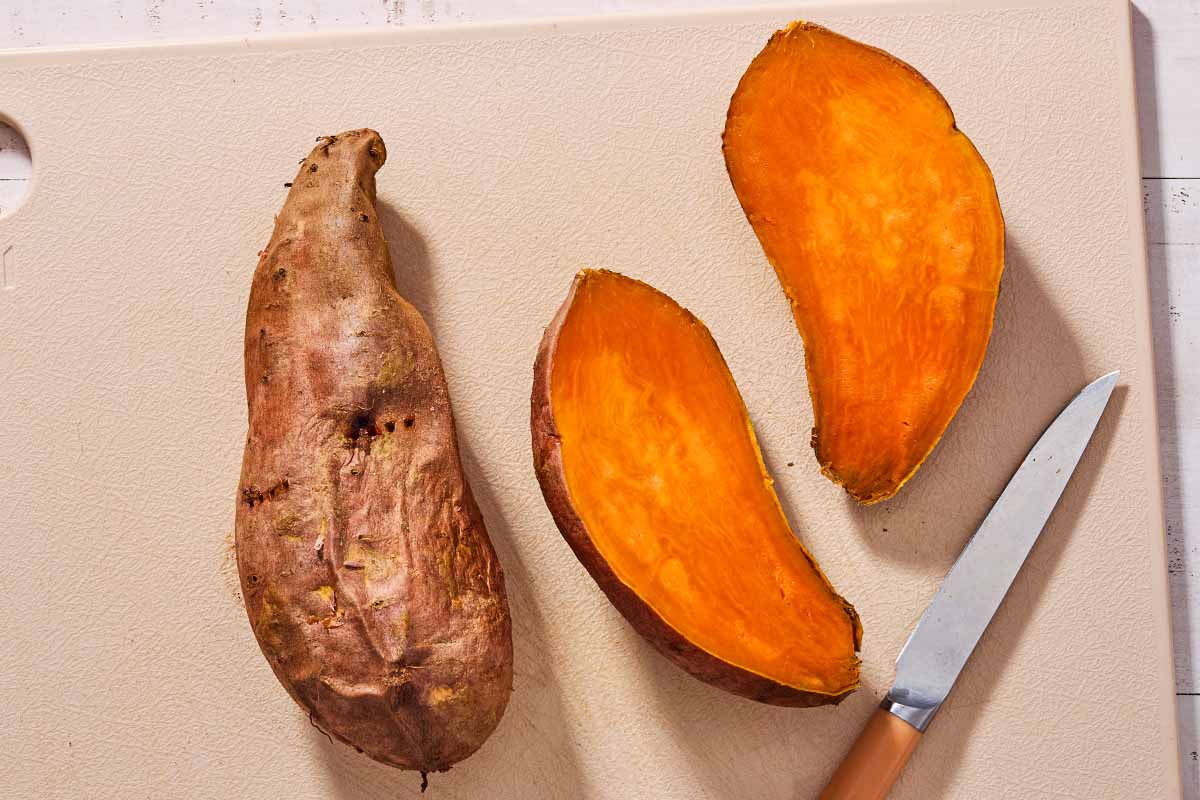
[527, 153]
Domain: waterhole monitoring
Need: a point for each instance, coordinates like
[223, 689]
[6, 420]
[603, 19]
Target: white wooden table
[1167, 50]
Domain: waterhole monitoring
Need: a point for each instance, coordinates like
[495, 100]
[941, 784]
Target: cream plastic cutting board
[516, 156]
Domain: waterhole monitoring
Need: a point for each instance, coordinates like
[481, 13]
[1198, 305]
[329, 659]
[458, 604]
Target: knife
[938, 648]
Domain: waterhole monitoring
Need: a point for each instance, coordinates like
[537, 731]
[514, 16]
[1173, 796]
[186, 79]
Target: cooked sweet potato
[650, 467]
[883, 226]
[367, 573]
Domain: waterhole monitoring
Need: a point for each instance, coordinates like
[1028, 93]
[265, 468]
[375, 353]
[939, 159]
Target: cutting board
[517, 155]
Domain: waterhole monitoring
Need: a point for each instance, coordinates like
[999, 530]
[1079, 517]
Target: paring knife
[948, 631]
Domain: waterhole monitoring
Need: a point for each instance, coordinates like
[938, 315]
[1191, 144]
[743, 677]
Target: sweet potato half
[366, 569]
[650, 467]
[882, 223]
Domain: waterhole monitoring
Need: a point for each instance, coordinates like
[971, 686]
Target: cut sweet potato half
[882, 222]
[650, 466]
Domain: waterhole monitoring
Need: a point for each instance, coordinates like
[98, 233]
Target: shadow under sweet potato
[410, 260]
[732, 744]
[1033, 367]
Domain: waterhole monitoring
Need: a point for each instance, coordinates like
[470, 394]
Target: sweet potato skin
[548, 464]
[368, 576]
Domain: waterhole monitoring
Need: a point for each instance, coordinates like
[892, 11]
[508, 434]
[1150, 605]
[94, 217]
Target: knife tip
[1103, 385]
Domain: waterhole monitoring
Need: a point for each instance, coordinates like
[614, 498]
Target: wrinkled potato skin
[367, 572]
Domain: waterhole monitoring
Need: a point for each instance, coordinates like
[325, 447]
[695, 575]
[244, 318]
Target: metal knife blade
[956, 618]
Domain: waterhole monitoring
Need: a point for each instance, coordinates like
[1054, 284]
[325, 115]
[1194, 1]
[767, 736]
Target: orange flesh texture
[663, 468]
[882, 222]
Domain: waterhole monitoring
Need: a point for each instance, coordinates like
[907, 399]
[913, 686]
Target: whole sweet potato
[368, 575]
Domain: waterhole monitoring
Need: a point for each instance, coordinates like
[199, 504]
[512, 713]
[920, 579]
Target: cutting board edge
[502, 29]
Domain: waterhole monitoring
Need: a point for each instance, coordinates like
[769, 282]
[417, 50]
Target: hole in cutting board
[16, 168]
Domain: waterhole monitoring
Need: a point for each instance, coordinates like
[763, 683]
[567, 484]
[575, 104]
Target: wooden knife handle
[873, 764]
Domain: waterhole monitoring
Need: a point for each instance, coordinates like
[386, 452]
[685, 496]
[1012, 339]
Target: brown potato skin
[367, 573]
[547, 461]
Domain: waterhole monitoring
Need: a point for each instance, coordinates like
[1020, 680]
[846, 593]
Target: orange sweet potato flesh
[650, 466]
[882, 222]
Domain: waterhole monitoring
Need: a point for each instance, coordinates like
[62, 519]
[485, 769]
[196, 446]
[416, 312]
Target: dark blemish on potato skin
[364, 217]
[409, 421]
[326, 142]
[280, 274]
[252, 496]
[362, 424]
[312, 167]
[390, 427]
